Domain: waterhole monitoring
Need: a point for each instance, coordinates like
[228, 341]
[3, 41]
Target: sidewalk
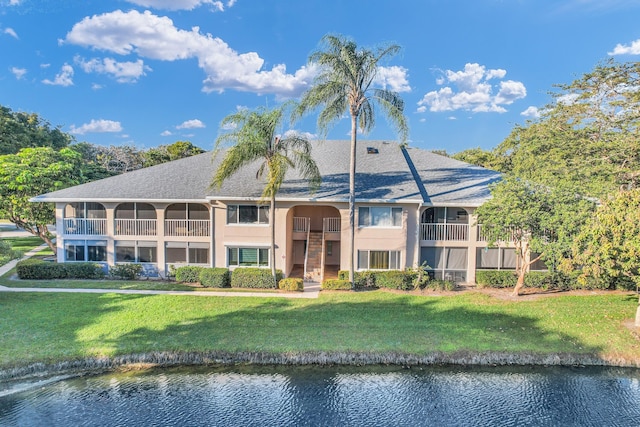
[313, 293]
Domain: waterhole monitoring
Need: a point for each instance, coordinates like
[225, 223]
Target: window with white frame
[379, 216]
[187, 253]
[85, 250]
[378, 260]
[136, 251]
[247, 214]
[247, 257]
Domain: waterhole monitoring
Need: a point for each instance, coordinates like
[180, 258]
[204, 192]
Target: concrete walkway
[309, 292]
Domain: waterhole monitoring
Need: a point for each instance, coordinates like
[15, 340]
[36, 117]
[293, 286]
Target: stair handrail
[306, 247]
[322, 257]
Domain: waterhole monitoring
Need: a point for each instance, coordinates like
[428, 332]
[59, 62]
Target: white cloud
[155, 37]
[18, 72]
[229, 126]
[473, 91]
[166, 133]
[180, 4]
[393, 78]
[63, 78]
[531, 111]
[97, 126]
[124, 72]
[307, 135]
[96, 86]
[14, 2]
[11, 32]
[191, 124]
[632, 49]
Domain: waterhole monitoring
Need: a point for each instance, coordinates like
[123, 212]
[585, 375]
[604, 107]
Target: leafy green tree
[91, 169]
[345, 84]
[589, 137]
[479, 157]
[255, 138]
[120, 158]
[608, 247]
[536, 218]
[31, 172]
[20, 130]
[167, 153]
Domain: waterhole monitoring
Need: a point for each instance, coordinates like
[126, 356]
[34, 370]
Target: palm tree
[255, 138]
[345, 84]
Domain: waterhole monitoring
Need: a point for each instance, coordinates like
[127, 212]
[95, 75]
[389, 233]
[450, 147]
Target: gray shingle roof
[385, 176]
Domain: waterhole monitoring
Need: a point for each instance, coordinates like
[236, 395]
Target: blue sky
[152, 72]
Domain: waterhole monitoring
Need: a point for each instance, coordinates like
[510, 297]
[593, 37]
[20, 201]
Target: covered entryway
[316, 237]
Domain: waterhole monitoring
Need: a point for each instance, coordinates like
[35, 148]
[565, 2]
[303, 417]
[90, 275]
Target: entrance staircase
[314, 257]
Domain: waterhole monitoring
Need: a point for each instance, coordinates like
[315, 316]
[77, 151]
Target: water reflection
[333, 396]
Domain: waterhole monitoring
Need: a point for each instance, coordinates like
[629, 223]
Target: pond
[330, 396]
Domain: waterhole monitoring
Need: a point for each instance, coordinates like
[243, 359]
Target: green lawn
[36, 327]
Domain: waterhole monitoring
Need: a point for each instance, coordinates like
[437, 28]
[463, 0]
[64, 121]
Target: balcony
[82, 226]
[448, 232]
[136, 227]
[187, 227]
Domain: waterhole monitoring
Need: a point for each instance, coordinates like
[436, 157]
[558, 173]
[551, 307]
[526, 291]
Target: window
[444, 215]
[85, 250]
[135, 211]
[136, 251]
[496, 258]
[378, 260]
[187, 253]
[248, 257]
[446, 263]
[383, 216]
[247, 214]
[186, 211]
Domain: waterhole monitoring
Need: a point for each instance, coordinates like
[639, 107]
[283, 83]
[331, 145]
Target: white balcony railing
[331, 225]
[187, 227]
[484, 237]
[301, 224]
[78, 226]
[459, 232]
[136, 227]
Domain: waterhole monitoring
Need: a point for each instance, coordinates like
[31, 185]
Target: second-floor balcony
[437, 231]
[187, 227]
[136, 227]
[84, 226]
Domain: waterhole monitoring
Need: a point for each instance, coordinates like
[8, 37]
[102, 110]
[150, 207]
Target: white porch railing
[331, 225]
[187, 227]
[78, 226]
[301, 224]
[484, 237]
[136, 227]
[458, 232]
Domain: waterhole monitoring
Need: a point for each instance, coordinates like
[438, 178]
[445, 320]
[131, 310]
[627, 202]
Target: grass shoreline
[166, 359]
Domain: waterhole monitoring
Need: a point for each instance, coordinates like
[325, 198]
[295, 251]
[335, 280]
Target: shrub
[214, 277]
[126, 271]
[7, 253]
[496, 278]
[188, 274]
[254, 278]
[83, 270]
[396, 279]
[361, 279]
[291, 284]
[440, 285]
[336, 285]
[35, 269]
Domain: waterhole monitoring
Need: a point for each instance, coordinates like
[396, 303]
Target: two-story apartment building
[412, 206]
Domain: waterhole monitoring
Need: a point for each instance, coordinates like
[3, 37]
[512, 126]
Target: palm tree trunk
[272, 223]
[352, 199]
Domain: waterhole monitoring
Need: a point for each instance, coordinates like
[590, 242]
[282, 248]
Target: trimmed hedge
[36, 269]
[440, 285]
[188, 274]
[125, 271]
[214, 277]
[291, 284]
[336, 285]
[254, 278]
[496, 278]
[404, 280]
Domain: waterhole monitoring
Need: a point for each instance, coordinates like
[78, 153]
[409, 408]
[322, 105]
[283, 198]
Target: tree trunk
[519, 283]
[352, 198]
[638, 316]
[272, 221]
[41, 231]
